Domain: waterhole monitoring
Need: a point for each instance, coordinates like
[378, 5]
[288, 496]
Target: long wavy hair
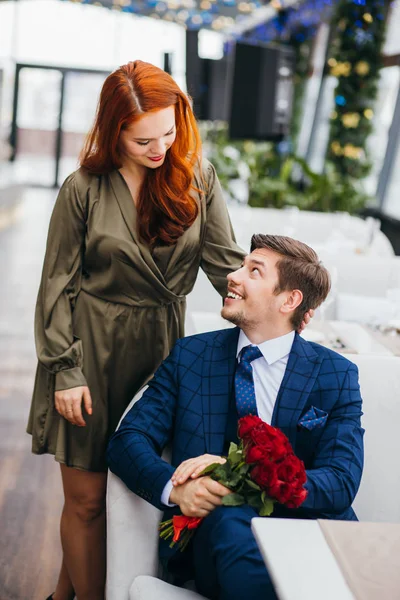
[166, 206]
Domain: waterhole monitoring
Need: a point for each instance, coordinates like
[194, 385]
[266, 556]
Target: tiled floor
[30, 487]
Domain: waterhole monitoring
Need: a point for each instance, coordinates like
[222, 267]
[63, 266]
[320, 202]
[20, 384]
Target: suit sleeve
[220, 254]
[58, 349]
[134, 451]
[333, 482]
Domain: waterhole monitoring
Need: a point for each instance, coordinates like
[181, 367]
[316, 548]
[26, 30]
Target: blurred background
[298, 103]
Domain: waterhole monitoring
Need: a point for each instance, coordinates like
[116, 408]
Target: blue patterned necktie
[244, 384]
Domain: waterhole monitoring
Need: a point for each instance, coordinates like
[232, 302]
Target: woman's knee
[86, 507]
[84, 493]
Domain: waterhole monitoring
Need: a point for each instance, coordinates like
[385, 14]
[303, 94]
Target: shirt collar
[272, 350]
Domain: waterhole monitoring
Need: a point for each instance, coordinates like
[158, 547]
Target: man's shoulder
[328, 356]
[200, 341]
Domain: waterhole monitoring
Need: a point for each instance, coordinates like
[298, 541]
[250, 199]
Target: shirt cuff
[69, 378]
[166, 494]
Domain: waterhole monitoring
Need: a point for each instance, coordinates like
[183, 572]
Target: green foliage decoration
[355, 59]
[275, 181]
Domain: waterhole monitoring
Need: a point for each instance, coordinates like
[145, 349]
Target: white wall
[52, 32]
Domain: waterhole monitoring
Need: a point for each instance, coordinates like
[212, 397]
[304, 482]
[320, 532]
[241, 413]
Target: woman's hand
[69, 404]
[191, 468]
[307, 318]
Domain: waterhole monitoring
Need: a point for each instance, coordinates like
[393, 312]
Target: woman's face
[147, 141]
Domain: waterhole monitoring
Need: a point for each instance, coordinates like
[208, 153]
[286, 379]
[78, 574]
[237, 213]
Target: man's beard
[237, 318]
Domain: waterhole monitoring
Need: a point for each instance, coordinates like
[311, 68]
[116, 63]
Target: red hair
[166, 206]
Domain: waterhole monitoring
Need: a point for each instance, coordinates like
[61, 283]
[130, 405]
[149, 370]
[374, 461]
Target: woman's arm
[58, 349]
[220, 254]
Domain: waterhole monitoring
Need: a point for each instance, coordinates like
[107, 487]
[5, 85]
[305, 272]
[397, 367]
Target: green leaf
[234, 479]
[255, 502]
[233, 500]
[235, 456]
[267, 508]
[210, 469]
[232, 447]
[222, 471]
[253, 485]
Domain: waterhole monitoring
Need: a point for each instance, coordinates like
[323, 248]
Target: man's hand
[192, 467]
[307, 318]
[68, 404]
[198, 497]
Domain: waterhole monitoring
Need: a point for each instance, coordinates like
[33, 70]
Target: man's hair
[298, 269]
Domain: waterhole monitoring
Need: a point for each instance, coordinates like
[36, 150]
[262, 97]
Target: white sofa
[132, 523]
[132, 546]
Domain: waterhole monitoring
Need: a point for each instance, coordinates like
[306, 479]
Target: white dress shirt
[268, 372]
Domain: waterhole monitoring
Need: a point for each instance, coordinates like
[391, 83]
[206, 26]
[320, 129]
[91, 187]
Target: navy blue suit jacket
[186, 407]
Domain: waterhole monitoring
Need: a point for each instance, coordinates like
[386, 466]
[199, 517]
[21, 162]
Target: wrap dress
[110, 308]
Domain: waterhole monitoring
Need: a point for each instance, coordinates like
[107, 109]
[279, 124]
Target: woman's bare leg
[64, 589]
[83, 535]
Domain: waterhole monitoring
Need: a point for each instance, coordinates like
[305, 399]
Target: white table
[330, 560]
[299, 561]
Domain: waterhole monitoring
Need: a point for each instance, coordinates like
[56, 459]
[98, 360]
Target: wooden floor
[30, 486]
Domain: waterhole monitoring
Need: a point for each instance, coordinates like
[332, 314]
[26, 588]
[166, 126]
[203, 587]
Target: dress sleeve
[58, 350]
[220, 253]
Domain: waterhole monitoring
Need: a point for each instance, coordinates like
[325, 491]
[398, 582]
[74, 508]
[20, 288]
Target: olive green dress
[109, 308]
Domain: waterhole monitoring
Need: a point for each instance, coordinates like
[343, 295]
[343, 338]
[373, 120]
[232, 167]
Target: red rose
[281, 491]
[246, 424]
[254, 454]
[264, 474]
[297, 498]
[272, 440]
[291, 469]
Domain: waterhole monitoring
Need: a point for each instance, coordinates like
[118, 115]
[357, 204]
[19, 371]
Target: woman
[129, 231]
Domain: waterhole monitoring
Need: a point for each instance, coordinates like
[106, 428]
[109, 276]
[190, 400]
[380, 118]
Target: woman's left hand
[307, 318]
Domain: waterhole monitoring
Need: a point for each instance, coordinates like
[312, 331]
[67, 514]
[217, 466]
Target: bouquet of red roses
[260, 471]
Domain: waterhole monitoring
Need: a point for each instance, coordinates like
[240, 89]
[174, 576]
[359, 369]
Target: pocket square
[313, 418]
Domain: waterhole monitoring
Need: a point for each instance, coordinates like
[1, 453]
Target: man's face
[251, 302]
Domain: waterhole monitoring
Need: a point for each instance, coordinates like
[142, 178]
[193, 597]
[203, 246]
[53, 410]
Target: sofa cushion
[146, 587]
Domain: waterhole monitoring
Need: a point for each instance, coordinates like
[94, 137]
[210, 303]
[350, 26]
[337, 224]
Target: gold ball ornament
[336, 148]
[351, 120]
[368, 113]
[332, 62]
[353, 152]
[362, 68]
[341, 69]
[368, 18]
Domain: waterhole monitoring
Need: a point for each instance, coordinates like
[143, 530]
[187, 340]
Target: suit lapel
[217, 385]
[300, 375]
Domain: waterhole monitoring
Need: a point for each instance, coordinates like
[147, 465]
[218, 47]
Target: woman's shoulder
[204, 173]
[82, 179]
[80, 187]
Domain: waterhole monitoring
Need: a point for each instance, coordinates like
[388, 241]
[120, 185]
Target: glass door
[36, 123]
[81, 94]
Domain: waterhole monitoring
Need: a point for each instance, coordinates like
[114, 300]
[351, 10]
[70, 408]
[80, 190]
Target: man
[194, 401]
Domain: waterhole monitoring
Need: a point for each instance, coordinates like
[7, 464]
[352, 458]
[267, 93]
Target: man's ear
[293, 300]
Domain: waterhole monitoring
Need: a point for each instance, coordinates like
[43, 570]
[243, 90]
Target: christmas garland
[355, 59]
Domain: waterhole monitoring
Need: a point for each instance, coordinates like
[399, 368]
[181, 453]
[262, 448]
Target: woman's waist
[157, 301]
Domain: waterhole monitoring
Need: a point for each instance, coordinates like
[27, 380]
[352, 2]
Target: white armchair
[132, 546]
[378, 497]
[132, 535]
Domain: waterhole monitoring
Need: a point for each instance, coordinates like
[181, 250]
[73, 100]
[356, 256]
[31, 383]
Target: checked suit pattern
[186, 407]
